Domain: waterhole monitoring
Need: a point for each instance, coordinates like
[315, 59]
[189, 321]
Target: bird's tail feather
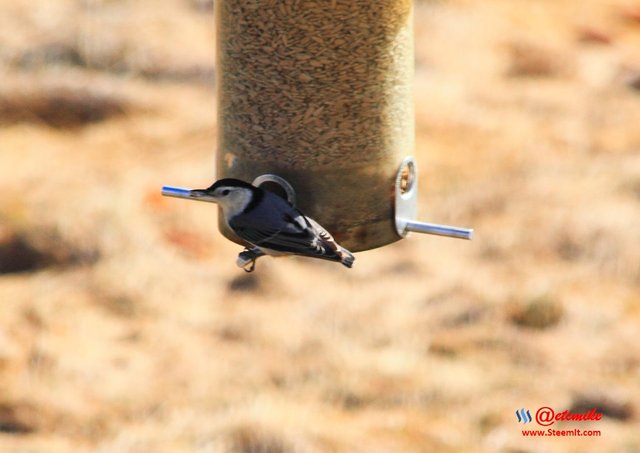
[346, 257]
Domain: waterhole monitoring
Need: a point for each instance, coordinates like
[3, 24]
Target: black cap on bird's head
[229, 182]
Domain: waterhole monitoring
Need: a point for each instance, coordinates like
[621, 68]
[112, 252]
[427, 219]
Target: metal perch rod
[409, 225]
[180, 192]
[439, 230]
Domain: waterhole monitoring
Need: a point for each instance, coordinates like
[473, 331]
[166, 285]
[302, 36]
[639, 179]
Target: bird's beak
[202, 195]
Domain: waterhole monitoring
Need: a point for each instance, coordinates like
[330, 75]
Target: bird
[270, 224]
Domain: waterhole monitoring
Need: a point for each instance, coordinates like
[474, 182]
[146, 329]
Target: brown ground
[126, 327]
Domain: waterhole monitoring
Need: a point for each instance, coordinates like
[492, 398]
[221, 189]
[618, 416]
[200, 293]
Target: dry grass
[128, 328]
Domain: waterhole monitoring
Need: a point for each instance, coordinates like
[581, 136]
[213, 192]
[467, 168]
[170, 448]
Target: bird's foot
[247, 259]
[250, 268]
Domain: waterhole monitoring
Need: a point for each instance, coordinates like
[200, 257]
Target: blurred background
[125, 325]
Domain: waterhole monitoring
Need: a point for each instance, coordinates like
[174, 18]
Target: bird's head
[233, 195]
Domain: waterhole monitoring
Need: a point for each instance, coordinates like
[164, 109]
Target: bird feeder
[319, 93]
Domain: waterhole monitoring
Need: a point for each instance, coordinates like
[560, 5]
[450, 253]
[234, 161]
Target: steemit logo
[524, 416]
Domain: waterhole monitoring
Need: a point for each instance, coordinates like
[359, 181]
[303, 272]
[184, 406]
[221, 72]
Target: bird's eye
[225, 192]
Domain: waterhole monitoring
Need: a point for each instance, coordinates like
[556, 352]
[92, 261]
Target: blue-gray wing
[291, 232]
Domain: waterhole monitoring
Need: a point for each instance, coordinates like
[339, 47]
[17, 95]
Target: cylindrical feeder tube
[319, 93]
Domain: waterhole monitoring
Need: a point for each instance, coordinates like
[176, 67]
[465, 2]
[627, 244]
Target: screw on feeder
[406, 203]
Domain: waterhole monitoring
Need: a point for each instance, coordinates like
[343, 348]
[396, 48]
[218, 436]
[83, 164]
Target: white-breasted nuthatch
[270, 224]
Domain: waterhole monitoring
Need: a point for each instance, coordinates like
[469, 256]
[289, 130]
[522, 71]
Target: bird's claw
[250, 268]
[247, 259]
